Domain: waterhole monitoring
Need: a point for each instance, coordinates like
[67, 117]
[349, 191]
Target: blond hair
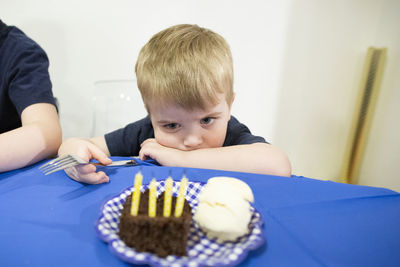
[185, 65]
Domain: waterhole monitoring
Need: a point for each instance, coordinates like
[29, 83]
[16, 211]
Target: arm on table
[39, 137]
[254, 158]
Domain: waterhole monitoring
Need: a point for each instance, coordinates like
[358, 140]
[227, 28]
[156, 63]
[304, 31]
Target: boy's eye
[171, 126]
[207, 120]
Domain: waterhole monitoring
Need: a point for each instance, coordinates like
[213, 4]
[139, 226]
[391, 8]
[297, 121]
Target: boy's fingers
[149, 140]
[85, 169]
[98, 154]
[142, 154]
[146, 153]
[94, 178]
[86, 174]
[102, 178]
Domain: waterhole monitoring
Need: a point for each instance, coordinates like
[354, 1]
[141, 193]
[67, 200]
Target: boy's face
[179, 128]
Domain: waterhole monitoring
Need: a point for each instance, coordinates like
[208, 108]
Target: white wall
[380, 165]
[297, 65]
[96, 40]
[325, 52]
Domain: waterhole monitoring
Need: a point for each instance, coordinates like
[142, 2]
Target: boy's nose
[192, 141]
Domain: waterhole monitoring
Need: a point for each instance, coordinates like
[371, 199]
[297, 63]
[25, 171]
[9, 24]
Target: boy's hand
[164, 155]
[87, 151]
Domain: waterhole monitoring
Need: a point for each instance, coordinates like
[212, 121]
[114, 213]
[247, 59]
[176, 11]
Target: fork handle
[116, 163]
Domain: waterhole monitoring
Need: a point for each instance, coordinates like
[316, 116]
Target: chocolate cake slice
[159, 235]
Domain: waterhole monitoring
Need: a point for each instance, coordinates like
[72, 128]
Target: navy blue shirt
[24, 76]
[126, 141]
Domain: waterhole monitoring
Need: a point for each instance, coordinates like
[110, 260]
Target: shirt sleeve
[126, 141]
[239, 134]
[29, 77]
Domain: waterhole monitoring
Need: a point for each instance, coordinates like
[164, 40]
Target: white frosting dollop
[224, 209]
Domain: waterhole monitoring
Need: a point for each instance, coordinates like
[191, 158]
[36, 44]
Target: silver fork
[67, 161]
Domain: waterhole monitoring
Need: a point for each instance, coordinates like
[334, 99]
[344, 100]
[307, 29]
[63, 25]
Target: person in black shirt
[185, 76]
[29, 126]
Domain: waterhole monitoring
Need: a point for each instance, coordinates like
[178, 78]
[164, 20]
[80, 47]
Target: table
[49, 220]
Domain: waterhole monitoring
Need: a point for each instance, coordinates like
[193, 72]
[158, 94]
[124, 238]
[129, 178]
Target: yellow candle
[152, 198]
[167, 197]
[181, 197]
[136, 194]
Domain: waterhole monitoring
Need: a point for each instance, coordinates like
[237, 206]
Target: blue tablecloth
[49, 220]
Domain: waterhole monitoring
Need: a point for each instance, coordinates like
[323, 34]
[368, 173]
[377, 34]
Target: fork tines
[59, 163]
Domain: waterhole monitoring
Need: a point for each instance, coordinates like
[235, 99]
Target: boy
[29, 127]
[185, 77]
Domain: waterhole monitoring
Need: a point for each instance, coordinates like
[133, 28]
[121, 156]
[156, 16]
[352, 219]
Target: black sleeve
[238, 134]
[29, 80]
[126, 141]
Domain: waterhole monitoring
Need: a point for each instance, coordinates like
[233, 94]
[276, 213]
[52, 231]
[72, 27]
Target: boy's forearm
[29, 144]
[255, 158]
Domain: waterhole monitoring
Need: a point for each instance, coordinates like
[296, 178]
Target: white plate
[201, 250]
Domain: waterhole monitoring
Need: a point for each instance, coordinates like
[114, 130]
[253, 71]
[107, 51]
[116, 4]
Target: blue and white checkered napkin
[201, 250]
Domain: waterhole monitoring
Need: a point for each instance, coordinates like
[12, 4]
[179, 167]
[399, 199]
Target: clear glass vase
[115, 103]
